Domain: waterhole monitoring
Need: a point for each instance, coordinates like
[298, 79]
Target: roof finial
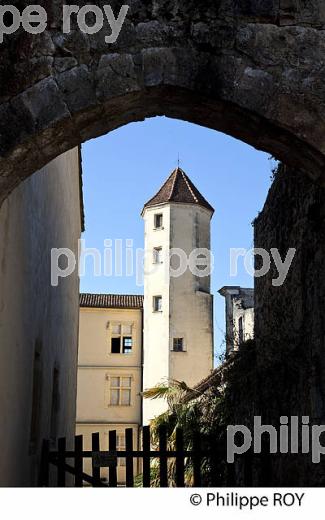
[178, 161]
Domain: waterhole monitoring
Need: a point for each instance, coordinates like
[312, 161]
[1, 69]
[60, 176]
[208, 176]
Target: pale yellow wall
[95, 333]
[187, 304]
[43, 212]
[96, 364]
[93, 396]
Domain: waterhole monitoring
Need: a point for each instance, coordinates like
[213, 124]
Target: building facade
[239, 316]
[110, 371]
[38, 322]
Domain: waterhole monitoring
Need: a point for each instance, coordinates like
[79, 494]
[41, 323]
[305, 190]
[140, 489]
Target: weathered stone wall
[290, 320]
[253, 69]
[38, 323]
[281, 372]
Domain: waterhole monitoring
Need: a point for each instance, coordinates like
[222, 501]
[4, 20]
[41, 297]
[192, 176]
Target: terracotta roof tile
[111, 301]
[180, 189]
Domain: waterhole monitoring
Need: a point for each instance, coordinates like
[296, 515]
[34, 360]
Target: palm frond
[157, 392]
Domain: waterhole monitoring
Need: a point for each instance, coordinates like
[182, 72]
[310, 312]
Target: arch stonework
[254, 69]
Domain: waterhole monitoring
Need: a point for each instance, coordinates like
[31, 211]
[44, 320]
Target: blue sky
[125, 168]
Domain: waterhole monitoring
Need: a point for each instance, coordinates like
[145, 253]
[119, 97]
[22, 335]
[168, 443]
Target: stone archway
[254, 71]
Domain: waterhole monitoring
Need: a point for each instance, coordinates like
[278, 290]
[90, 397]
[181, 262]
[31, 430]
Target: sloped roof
[180, 189]
[111, 301]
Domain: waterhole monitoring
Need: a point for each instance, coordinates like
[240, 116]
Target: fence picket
[129, 457]
[180, 477]
[163, 468]
[95, 446]
[78, 448]
[146, 456]
[113, 467]
[44, 478]
[61, 462]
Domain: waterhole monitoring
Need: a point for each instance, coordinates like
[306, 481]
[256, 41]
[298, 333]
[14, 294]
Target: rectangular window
[157, 303]
[178, 345]
[158, 221]
[157, 255]
[122, 339]
[120, 391]
[127, 345]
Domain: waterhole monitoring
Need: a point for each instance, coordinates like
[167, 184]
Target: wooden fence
[72, 461]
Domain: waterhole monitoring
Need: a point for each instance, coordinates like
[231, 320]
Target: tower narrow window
[158, 221]
[157, 255]
[178, 345]
[157, 303]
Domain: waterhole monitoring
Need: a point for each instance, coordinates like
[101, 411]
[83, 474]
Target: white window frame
[121, 335]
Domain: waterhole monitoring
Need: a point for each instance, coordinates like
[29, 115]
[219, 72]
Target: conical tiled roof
[179, 188]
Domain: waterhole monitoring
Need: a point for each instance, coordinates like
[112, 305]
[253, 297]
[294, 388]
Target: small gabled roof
[111, 301]
[180, 189]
